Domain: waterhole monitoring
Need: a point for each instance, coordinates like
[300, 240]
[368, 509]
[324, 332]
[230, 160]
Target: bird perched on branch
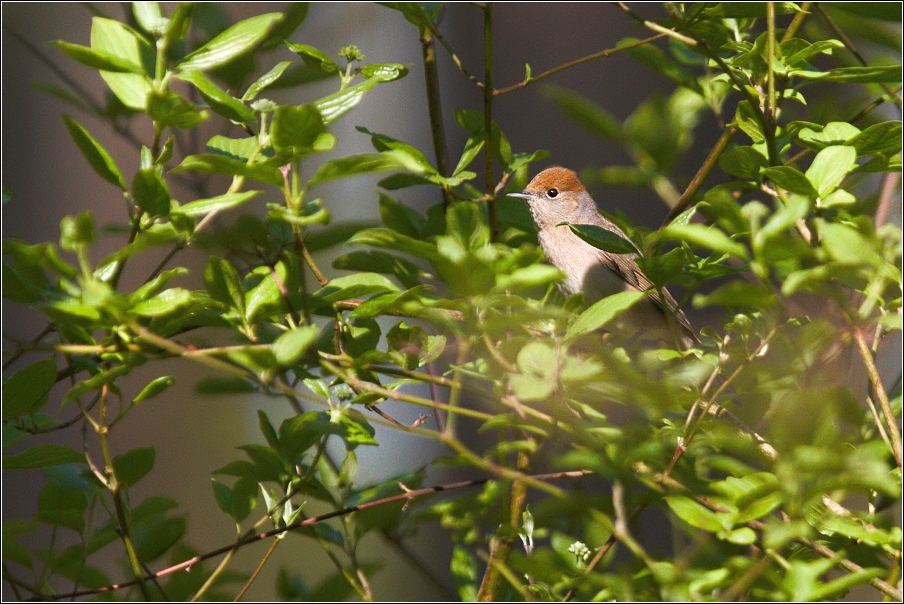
[556, 196]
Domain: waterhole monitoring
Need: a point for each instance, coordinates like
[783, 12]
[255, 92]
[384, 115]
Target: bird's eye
[552, 193]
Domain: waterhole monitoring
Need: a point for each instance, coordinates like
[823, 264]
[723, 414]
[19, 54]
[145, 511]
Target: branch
[431, 78]
[891, 422]
[661, 481]
[488, 118]
[406, 496]
[688, 196]
[596, 55]
[850, 46]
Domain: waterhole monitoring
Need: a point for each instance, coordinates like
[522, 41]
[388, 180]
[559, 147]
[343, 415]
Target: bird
[556, 196]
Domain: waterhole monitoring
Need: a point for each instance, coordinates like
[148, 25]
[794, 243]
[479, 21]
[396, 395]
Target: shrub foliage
[776, 473]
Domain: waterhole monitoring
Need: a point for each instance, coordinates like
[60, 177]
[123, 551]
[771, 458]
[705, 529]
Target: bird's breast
[581, 263]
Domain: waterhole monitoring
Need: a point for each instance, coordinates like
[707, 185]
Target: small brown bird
[555, 195]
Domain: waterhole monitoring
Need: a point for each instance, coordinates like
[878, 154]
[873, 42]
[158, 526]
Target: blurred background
[48, 179]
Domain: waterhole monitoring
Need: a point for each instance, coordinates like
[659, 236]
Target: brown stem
[891, 422]
[257, 570]
[408, 495]
[688, 196]
[850, 46]
[12, 359]
[710, 403]
[488, 117]
[501, 545]
[596, 55]
[434, 107]
[889, 186]
[797, 21]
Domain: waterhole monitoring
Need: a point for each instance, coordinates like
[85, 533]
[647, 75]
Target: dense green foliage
[795, 248]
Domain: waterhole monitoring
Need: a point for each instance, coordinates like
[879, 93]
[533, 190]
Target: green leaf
[744, 162]
[728, 10]
[847, 246]
[811, 50]
[62, 506]
[791, 179]
[400, 218]
[27, 391]
[816, 137]
[356, 286]
[736, 294]
[154, 388]
[231, 385]
[224, 284]
[747, 119]
[217, 164]
[300, 433]
[266, 80]
[149, 17]
[339, 103]
[202, 207]
[385, 72]
[601, 238]
[237, 40]
[150, 192]
[293, 16]
[96, 382]
[43, 456]
[165, 302]
[217, 99]
[829, 168]
[355, 429]
[363, 163]
[132, 466]
[293, 344]
[223, 496]
[296, 127]
[12, 550]
[387, 238]
[118, 39]
[314, 57]
[77, 231]
[61, 93]
[883, 138]
[98, 59]
[464, 570]
[704, 236]
[97, 156]
[600, 313]
[593, 118]
[879, 74]
[414, 12]
[662, 64]
[693, 513]
[170, 109]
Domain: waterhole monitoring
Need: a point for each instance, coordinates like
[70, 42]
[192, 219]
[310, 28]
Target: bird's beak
[521, 195]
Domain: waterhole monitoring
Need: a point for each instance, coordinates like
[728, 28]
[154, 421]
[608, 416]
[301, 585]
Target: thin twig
[889, 188]
[570, 64]
[694, 420]
[488, 118]
[663, 482]
[857, 116]
[436, 33]
[434, 107]
[797, 21]
[688, 196]
[656, 27]
[853, 50]
[408, 495]
[891, 422]
[257, 570]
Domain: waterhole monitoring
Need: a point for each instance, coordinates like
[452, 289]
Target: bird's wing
[627, 268]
